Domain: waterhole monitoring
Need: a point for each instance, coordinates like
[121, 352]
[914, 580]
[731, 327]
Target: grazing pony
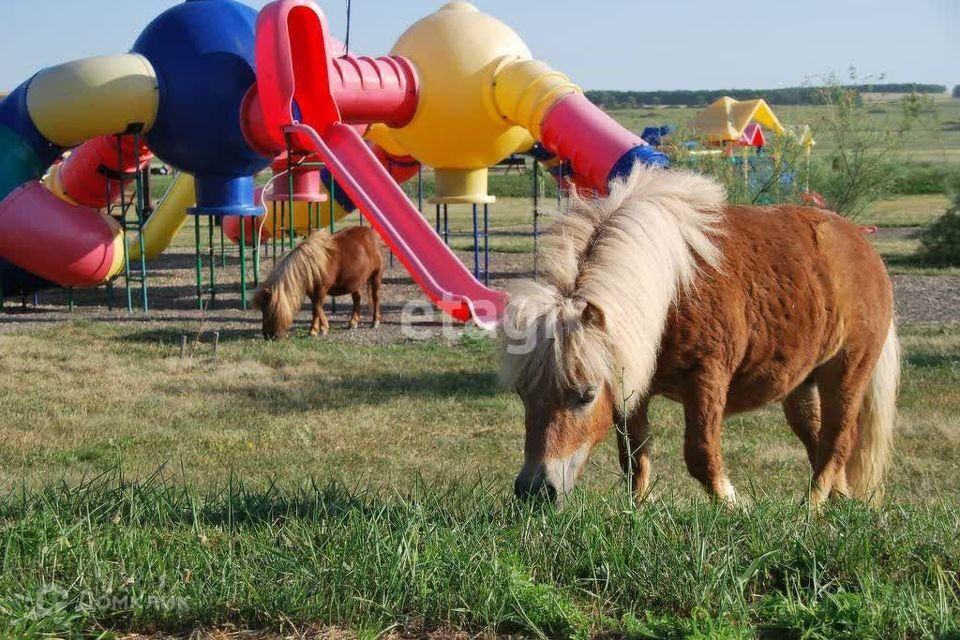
[662, 289]
[322, 265]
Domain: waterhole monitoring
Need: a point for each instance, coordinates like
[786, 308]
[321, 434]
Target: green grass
[315, 483]
[151, 555]
[935, 143]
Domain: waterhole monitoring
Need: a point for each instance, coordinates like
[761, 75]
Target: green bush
[940, 242]
[920, 178]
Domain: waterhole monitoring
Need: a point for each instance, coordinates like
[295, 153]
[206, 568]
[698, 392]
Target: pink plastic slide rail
[430, 262]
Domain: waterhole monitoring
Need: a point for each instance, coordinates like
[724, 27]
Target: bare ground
[920, 299]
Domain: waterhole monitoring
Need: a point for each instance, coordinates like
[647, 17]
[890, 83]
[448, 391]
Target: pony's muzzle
[531, 484]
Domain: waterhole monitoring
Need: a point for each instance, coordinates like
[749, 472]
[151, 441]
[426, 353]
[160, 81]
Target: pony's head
[559, 361]
[580, 344]
[277, 315]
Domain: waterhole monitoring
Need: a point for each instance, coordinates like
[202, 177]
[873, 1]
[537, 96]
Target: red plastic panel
[293, 68]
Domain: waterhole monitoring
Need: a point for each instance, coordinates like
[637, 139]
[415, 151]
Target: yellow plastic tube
[167, 220]
[525, 90]
[80, 100]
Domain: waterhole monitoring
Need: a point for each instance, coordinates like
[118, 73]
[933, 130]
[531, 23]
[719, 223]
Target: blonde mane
[613, 267]
[298, 271]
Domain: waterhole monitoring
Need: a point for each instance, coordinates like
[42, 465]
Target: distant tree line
[699, 98]
[956, 91]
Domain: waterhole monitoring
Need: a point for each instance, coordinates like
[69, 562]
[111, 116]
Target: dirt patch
[173, 307]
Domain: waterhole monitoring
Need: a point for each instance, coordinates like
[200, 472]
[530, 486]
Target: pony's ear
[592, 316]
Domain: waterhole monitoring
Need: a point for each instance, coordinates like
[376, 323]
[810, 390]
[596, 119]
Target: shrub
[940, 242]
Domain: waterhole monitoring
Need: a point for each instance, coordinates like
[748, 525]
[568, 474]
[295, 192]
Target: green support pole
[243, 267]
[273, 237]
[256, 262]
[223, 251]
[333, 206]
[293, 226]
[213, 260]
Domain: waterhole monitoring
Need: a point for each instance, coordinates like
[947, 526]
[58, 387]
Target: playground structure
[220, 92]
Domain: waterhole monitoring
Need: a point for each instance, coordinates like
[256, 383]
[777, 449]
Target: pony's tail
[871, 454]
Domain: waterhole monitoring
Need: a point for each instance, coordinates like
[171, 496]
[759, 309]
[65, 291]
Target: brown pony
[322, 265]
[661, 289]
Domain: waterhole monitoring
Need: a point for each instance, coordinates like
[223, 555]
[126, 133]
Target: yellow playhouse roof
[726, 119]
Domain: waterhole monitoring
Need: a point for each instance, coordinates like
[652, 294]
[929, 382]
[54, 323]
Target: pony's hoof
[376, 324]
[354, 324]
[314, 333]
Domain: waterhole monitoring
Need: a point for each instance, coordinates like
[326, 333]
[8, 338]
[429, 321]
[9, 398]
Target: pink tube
[88, 170]
[593, 142]
[371, 90]
[298, 63]
[64, 243]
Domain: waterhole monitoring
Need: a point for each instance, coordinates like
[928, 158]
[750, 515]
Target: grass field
[932, 141]
[308, 482]
[320, 487]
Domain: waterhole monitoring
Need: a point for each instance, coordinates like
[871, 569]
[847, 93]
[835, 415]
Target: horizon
[712, 52]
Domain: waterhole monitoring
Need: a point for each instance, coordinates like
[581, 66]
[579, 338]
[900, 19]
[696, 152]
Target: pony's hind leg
[842, 383]
[802, 410]
[375, 282]
[703, 410]
[633, 442]
[355, 316]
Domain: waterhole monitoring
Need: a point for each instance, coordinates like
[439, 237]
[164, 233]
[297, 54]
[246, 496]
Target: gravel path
[919, 299]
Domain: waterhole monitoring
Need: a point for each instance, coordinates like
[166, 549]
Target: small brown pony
[322, 265]
[661, 289]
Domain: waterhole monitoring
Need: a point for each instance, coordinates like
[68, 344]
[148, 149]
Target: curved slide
[431, 263]
[167, 220]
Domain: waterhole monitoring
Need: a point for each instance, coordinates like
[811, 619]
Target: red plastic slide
[431, 263]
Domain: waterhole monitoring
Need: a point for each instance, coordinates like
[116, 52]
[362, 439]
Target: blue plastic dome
[203, 53]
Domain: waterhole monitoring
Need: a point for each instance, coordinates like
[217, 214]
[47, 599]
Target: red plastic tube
[298, 69]
[87, 172]
[58, 241]
[593, 142]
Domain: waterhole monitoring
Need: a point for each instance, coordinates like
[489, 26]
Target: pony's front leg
[355, 316]
[703, 410]
[375, 283]
[633, 442]
[320, 324]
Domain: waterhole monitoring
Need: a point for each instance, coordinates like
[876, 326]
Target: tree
[956, 91]
[865, 158]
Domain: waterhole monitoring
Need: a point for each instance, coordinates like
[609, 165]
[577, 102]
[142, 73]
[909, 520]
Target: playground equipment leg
[199, 261]
[536, 217]
[476, 244]
[243, 266]
[486, 244]
[446, 224]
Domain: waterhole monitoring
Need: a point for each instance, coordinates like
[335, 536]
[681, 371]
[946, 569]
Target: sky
[600, 44]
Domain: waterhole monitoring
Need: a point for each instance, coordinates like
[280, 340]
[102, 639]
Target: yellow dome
[457, 51]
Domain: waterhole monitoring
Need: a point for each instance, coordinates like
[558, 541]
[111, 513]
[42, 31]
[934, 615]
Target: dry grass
[82, 398]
